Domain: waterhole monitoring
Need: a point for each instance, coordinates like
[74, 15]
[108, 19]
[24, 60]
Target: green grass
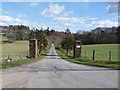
[20, 62]
[102, 51]
[101, 58]
[15, 49]
[3, 38]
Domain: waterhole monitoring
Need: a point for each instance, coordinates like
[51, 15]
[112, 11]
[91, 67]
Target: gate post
[33, 48]
[77, 49]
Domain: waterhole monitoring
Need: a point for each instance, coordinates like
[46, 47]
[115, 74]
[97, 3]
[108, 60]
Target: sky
[60, 15]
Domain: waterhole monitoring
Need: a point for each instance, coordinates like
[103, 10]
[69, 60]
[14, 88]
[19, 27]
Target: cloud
[67, 13]
[103, 23]
[69, 20]
[34, 4]
[7, 20]
[112, 8]
[92, 19]
[55, 10]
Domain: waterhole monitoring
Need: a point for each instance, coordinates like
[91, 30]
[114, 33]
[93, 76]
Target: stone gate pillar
[77, 49]
[33, 48]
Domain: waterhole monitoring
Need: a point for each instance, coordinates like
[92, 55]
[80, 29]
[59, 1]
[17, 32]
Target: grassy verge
[25, 61]
[85, 61]
[21, 62]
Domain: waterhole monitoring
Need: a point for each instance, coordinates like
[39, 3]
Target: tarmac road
[54, 72]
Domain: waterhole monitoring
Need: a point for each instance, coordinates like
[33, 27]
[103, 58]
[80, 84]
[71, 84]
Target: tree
[67, 42]
[32, 34]
[42, 41]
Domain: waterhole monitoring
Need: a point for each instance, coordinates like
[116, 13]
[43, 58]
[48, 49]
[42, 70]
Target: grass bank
[86, 61]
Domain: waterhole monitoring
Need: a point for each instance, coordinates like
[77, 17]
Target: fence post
[93, 55]
[110, 54]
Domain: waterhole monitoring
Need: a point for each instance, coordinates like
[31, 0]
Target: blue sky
[60, 15]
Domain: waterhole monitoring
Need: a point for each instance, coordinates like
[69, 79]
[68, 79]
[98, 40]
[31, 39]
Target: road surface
[54, 72]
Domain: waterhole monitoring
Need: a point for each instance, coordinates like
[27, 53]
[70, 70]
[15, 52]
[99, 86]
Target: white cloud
[67, 13]
[7, 20]
[69, 20]
[103, 23]
[67, 24]
[93, 19]
[112, 8]
[55, 10]
[34, 4]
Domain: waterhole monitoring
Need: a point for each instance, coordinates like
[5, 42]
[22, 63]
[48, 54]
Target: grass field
[102, 51]
[3, 38]
[15, 49]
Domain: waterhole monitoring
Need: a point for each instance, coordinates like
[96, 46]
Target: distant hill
[104, 29]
